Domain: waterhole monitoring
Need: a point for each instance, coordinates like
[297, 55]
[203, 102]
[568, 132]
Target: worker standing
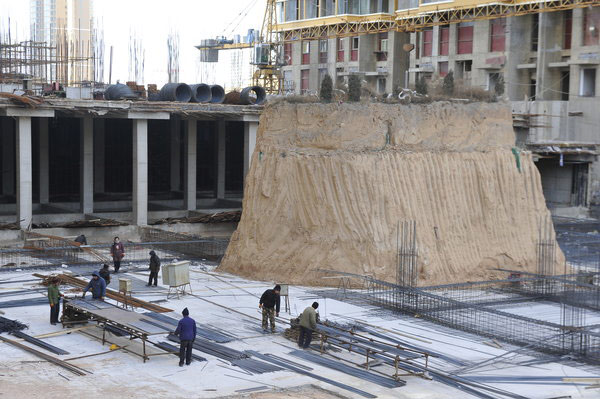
[154, 268]
[97, 285]
[105, 274]
[270, 303]
[308, 324]
[117, 250]
[186, 330]
[54, 299]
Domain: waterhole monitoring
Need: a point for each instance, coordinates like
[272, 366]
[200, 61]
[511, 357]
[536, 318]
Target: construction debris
[10, 326]
[220, 217]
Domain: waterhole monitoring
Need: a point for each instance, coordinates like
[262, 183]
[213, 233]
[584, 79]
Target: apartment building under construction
[548, 61]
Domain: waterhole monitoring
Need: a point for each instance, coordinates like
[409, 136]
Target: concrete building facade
[76, 159]
[549, 63]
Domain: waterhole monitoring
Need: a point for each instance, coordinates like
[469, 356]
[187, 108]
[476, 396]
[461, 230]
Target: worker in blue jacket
[186, 330]
[97, 285]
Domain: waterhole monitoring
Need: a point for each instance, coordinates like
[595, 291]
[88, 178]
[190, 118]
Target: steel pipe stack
[179, 92]
[246, 97]
[218, 94]
[118, 92]
[201, 93]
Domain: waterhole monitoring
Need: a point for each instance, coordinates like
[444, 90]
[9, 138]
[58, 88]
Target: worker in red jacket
[117, 250]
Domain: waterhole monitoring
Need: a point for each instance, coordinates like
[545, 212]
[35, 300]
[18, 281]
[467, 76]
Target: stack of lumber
[117, 296]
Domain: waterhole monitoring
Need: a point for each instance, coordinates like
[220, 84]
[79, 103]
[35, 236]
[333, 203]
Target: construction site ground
[230, 304]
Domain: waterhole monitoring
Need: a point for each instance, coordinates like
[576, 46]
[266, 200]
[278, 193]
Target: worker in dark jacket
[105, 274]
[54, 299]
[270, 303]
[97, 285]
[154, 268]
[186, 330]
[308, 324]
[117, 250]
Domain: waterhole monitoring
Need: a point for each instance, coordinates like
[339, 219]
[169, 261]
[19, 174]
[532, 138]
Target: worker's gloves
[260, 305]
[51, 305]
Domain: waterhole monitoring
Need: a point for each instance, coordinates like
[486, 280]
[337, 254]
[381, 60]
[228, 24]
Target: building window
[427, 42]
[565, 86]
[498, 34]
[287, 53]
[568, 29]
[381, 82]
[532, 86]
[354, 49]
[591, 26]
[323, 51]
[444, 40]
[382, 46]
[288, 82]
[465, 38]
[304, 80]
[463, 70]
[340, 49]
[535, 22]
[587, 87]
[493, 78]
[322, 73]
[443, 68]
[305, 52]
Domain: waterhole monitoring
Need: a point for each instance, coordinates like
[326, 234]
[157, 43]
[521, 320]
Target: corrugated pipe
[201, 93]
[118, 92]
[246, 97]
[176, 92]
[218, 94]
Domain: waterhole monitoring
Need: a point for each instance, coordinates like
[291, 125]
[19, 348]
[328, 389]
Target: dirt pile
[328, 185]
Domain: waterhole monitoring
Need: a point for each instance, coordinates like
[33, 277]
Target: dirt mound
[328, 185]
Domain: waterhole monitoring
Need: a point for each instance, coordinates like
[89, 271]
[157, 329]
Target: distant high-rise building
[66, 25]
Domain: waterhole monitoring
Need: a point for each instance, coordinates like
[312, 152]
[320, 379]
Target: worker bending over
[308, 324]
[269, 303]
[97, 285]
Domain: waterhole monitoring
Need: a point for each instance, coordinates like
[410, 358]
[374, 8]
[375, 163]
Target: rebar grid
[471, 311]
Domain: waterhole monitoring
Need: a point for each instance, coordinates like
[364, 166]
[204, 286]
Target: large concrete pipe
[176, 92]
[118, 92]
[201, 93]
[254, 95]
[218, 94]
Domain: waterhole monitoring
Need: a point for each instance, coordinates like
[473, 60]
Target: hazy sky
[151, 21]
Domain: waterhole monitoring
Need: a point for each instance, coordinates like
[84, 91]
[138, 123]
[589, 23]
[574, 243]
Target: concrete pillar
[221, 159]
[87, 165]
[99, 148]
[140, 172]
[8, 157]
[44, 161]
[250, 129]
[24, 172]
[190, 166]
[175, 155]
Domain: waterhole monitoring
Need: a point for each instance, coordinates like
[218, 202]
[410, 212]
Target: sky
[152, 21]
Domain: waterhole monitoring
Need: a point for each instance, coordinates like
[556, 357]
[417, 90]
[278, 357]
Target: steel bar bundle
[74, 369]
[205, 332]
[40, 343]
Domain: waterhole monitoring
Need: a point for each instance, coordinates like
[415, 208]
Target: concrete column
[140, 172]
[221, 159]
[190, 166]
[24, 172]
[250, 129]
[175, 155]
[8, 157]
[44, 161]
[87, 165]
[99, 148]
